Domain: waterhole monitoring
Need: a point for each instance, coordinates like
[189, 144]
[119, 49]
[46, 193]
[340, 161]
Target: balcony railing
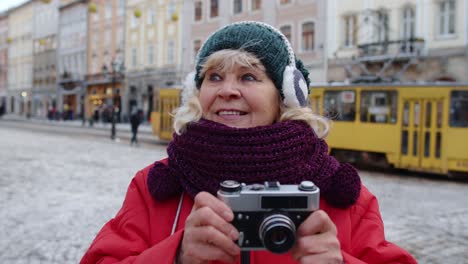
[397, 49]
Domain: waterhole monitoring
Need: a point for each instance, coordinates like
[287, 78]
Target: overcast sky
[5, 4]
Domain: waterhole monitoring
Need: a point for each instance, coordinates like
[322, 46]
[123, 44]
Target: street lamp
[115, 75]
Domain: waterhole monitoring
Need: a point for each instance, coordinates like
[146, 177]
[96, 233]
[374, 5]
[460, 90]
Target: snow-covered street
[57, 190]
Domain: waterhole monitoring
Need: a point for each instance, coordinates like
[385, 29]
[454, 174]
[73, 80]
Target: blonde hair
[225, 60]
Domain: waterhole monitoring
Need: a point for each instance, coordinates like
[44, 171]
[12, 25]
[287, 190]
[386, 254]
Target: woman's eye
[214, 77]
[248, 77]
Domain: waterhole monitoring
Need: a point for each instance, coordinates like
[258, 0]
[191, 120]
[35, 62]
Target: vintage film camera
[268, 215]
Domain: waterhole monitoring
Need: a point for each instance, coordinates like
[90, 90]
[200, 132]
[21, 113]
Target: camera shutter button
[230, 186]
[307, 186]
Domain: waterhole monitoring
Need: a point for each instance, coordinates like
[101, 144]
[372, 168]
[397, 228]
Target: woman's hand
[208, 234]
[317, 241]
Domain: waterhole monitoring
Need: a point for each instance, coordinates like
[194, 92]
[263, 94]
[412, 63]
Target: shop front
[100, 100]
[71, 96]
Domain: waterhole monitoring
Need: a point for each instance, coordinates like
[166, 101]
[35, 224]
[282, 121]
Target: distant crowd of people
[104, 114]
[54, 114]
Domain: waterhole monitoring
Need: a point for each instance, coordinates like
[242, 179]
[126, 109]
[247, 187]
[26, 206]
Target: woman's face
[242, 97]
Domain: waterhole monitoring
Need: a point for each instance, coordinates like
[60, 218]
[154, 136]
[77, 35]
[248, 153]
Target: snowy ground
[56, 192]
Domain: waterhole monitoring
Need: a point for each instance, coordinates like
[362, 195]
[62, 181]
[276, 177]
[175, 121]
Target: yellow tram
[415, 127]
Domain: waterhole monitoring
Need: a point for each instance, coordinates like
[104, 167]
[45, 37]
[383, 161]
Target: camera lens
[279, 236]
[277, 233]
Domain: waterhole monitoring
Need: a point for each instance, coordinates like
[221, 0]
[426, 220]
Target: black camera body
[268, 215]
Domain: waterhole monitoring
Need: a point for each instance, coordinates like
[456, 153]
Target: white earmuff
[294, 88]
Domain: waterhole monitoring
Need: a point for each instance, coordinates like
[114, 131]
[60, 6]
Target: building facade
[299, 20]
[403, 40]
[45, 28]
[20, 59]
[153, 51]
[106, 42]
[3, 61]
[72, 57]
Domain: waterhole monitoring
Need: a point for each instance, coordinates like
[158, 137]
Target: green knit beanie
[271, 47]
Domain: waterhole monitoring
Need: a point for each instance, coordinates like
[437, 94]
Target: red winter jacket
[141, 231]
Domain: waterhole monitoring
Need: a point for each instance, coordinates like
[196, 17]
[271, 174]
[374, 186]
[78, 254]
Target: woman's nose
[229, 89]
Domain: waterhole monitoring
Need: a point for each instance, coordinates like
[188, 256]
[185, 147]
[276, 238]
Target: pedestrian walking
[2, 109]
[136, 117]
[244, 118]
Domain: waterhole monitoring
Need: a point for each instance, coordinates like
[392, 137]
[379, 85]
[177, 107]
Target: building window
[350, 30]
[196, 47]
[214, 8]
[308, 36]
[120, 39]
[408, 23]
[150, 54]
[198, 10]
[171, 9]
[94, 65]
[134, 21]
[95, 41]
[107, 37]
[36, 47]
[108, 10]
[134, 57]
[408, 30]
[151, 17]
[382, 26]
[53, 42]
[170, 52]
[95, 17]
[256, 4]
[446, 17]
[121, 8]
[237, 6]
[286, 30]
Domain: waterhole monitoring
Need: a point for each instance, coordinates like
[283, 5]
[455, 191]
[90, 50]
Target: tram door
[421, 133]
[162, 118]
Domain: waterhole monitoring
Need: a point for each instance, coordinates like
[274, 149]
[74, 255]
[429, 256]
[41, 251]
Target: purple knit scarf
[289, 152]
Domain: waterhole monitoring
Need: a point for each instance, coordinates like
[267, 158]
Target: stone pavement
[426, 215]
[56, 192]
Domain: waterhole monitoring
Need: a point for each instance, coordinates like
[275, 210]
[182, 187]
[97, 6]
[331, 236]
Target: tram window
[427, 144]
[340, 105]
[428, 114]
[378, 106]
[439, 114]
[415, 143]
[404, 142]
[416, 114]
[406, 114]
[459, 109]
[438, 143]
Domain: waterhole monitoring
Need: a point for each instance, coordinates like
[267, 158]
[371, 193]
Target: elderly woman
[244, 117]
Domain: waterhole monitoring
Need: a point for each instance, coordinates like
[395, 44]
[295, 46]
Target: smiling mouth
[230, 113]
